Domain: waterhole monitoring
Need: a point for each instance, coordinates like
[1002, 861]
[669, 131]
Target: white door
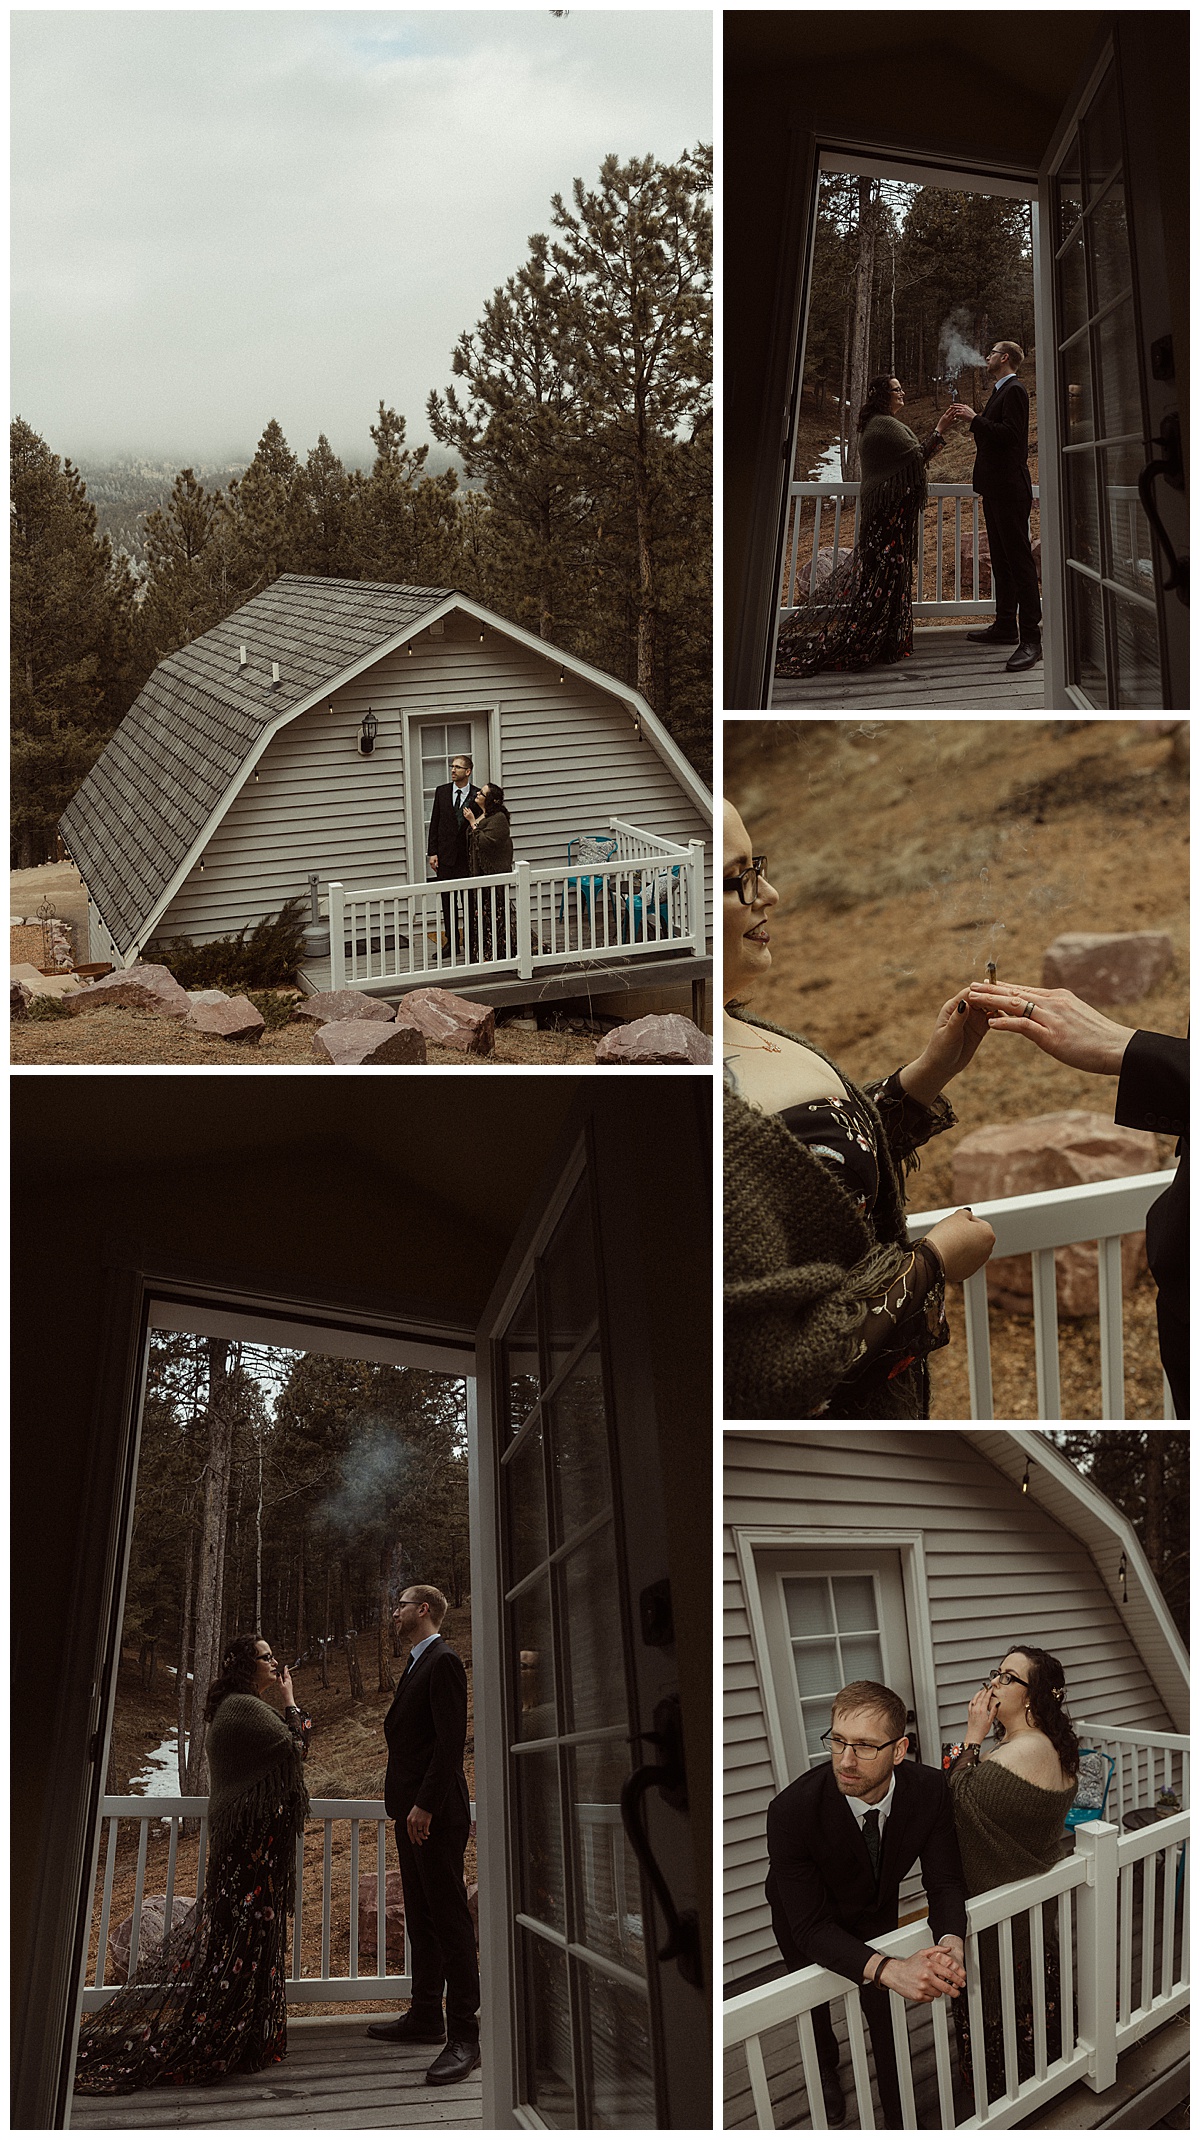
[1116, 636]
[584, 2023]
[432, 744]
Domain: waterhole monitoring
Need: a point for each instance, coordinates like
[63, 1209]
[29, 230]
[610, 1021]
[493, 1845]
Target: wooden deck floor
[944, 669]
[335, 2078]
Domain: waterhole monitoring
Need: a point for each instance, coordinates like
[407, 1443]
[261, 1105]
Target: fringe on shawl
[240, 1819]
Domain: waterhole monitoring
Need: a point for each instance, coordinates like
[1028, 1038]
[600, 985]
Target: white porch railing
[648, 899]
[1036, 1225]
[1146, 1762]
[1104, 1916]
[946, 568]
[360, 1813]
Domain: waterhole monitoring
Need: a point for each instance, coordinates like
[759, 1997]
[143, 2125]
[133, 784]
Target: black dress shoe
[1029, 652]
[405, 2030]
[835, 2101]
[457, 2060]
[996, 635]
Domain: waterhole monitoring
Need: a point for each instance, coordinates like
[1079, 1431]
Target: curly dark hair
[1047, 1700]
[493, 801]
[239, 1670]
[879, 399]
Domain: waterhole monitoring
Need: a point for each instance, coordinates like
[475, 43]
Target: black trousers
[452, 912]
[877, 2011]
[441, 1935]
[1014, 574]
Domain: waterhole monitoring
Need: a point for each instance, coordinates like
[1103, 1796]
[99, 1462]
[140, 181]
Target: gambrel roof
[197, 722]
[202, 721]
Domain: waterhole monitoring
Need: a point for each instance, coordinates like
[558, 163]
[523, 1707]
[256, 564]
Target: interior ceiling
[450, 1136]
[1040, 54]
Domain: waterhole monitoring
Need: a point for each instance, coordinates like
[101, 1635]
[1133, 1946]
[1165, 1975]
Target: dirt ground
[906, 853]
[128, 1036]
[347, 1759]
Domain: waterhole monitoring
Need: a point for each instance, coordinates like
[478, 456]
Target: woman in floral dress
[218, 2001]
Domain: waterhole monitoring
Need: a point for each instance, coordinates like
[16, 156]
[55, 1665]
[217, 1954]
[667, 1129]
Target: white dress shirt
[860, 1808]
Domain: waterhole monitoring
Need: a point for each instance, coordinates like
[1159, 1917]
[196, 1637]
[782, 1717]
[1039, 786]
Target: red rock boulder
[150, 1934]
[664, 1037]
[368, 1042]
[449, 1021]
[137, 988]
[1108, 969]
[368, 1920]
[235, 1018]
[1053, 1152]
[331, 1005]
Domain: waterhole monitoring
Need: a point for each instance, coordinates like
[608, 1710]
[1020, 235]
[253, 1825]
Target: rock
[334, 1004]
[19, 999]
[150, 1933]
[1053, 1152]
[207, 995]
[1108, 969]
[966, 566]
[368, 1918]
[664, 1037]
[45, 984]
[365, 1040]
[522, 1025]
[449, 1020]
[828, 562]
[138, 988]
[230, 1018]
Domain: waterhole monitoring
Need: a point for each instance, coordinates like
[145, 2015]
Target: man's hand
[1060, 1024]
[962, 410]
[932, 1974]
[419, 1823]
[433, 865]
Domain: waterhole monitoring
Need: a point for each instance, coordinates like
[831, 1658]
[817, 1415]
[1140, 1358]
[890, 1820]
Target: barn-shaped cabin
[296, 747]
[916, 1559]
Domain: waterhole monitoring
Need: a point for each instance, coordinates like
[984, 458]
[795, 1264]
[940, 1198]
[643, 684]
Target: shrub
[266, 958]
[47, 1007]
[275, 1010]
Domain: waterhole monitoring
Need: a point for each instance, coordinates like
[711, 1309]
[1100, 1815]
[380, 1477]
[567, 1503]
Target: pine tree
[262, 523]
[409, 521]
[184, 593]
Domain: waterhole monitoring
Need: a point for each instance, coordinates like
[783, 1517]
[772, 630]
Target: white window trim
[753, 1538]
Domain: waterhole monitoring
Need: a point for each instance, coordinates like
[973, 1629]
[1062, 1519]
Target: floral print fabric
[863, 614]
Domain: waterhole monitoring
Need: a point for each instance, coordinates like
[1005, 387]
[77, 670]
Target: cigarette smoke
[955, 352]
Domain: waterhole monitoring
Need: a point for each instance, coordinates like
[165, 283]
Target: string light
[1025, 1480]
[1123, 1574]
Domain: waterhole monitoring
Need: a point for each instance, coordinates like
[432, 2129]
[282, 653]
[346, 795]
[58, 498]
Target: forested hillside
[581, 409]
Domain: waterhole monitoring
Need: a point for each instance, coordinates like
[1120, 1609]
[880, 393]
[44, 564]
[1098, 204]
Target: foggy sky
[223, 217]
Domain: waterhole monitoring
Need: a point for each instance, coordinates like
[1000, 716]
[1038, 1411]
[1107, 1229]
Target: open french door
[595, 2010]
[1109, 398]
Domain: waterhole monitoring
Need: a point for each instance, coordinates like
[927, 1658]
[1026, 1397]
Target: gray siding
[997, 1569]
[569, 760]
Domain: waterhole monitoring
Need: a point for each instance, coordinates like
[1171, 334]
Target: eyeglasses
[752, 877]
[1006, 1679]
[864, 1750]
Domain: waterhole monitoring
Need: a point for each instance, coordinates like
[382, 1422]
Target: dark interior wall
[980, 89]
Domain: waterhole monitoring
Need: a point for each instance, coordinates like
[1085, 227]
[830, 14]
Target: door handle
[669, 1775]
[1170, 468]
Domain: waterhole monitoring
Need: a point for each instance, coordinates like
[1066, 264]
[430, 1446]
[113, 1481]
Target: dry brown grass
[129, 1036]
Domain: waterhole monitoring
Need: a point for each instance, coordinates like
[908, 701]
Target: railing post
[1097, 1921]
[337, 936]
[524, 923]
[695, 892]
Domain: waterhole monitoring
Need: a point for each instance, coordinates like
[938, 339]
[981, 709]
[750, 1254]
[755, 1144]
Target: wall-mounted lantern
[367, 734]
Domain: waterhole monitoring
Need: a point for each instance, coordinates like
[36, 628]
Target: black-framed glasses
[1006, 1679]
[835, 1744]
[752, 877]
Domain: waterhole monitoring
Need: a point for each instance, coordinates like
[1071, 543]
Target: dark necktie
[458, 802]
[870, 1836]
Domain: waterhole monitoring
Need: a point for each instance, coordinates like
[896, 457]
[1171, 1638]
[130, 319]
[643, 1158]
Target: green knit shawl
[254, 1766]
[892, 464]
[800, 1259]
[1008, 1828]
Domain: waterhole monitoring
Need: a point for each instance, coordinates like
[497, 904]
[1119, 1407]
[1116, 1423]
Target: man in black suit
[426, 1794]
[1002, 479]
[447, 846]
[1152, 1093]
[840, 1840]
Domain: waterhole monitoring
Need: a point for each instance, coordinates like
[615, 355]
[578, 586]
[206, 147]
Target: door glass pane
[817, 1667]
[1069, 203]
[854, 1598]
[808, 1608]
[1077, 390]
[579, 1446]
[522, 1376]
[1087, 637]
[1108, 236]
[605, 1867]
[862, 1658]
[1072, 288]
[617, 2022]
[527, 1541]
[1083, 510]
[1138, 678]
[816, 1719]
[1129, 555]
[1102, 135]
[540, 1822]
[570, 1279]
[1120, 397]
[534, 1676]
[548, 2031]
[594, 1666]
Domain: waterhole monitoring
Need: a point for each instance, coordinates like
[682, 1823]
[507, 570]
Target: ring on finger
[1028, 1010]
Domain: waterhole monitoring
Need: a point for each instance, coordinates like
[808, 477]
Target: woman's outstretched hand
[953, 1041]
[963, 1243]
[1059, 1023]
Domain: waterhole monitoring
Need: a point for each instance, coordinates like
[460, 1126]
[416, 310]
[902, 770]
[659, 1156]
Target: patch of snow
[159, 1776]
[829, 466]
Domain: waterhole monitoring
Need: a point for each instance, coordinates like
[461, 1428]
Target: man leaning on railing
[840, 1841]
